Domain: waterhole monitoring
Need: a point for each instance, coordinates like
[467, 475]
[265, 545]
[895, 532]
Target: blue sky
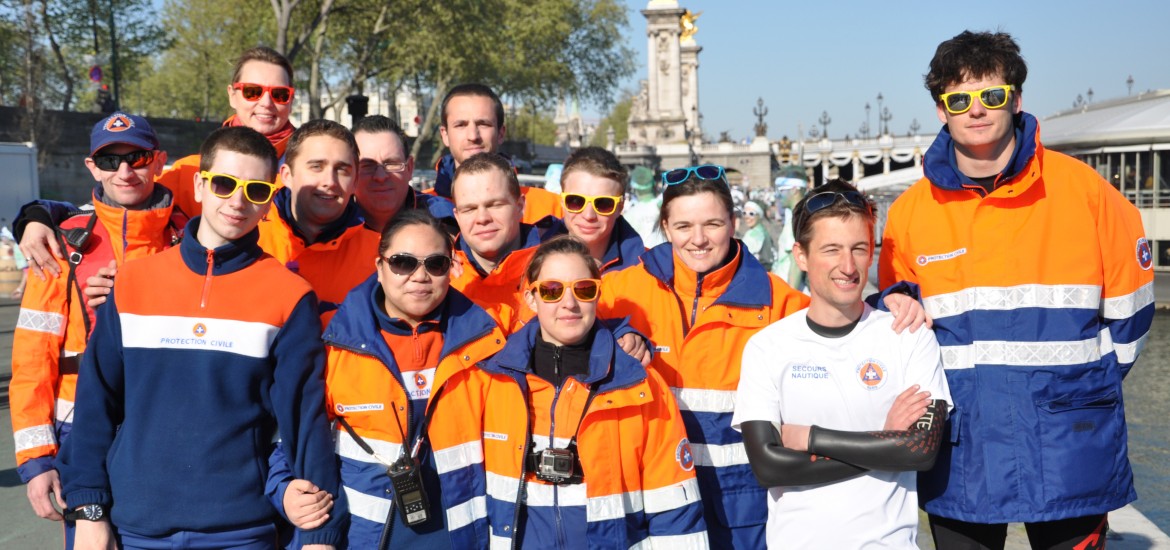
[810, 56]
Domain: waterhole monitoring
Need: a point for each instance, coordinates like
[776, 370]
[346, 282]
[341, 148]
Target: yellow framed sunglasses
[992, 97]
[603, 204]
[224, 186]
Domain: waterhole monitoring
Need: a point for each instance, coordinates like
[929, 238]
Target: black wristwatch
[88, 512]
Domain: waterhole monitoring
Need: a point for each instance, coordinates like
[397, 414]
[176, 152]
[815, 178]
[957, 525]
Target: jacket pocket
[1081, 445]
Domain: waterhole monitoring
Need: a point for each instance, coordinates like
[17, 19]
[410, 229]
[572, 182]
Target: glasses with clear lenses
[406, 264]
[604, 205]
[224, 186]
[370, 167]
[552, 290]
[993, 97]
[281, 95]
[110, 162]
[703, 172]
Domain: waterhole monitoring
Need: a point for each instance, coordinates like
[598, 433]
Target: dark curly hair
[976, 55]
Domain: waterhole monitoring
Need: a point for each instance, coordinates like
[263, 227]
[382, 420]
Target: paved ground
[20, 529]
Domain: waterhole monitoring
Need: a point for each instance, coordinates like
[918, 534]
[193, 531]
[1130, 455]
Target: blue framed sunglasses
[703, 172]
[825, 199]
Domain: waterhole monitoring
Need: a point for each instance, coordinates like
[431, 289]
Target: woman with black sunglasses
[699, 297]
[399, 352]
[584, 447]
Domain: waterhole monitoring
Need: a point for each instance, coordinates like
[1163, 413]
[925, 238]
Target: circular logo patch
[871, 374]
[683, 455]
[420, 381]
[199, 330]
[340, 408]
[1145, 255]
[922, 260]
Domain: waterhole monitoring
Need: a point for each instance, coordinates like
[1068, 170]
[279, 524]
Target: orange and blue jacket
[341, 258]
[364, 386]
[51, 330]
[1042, 297]
[198, 359]
[638, 487]
[180, 177]
[500, 292]
[699, 325]
[538, 203]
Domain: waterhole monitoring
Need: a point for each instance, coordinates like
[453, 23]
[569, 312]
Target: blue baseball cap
[122, 128]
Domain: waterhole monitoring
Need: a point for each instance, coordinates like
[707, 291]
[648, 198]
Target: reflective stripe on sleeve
[719, 456]
[672, 497]
[367, 507]
[348, 448]
[459, 456]
[64, 410]
[36, 436]
[698, 400]
[467, 513]
[1013, 297]
[1124, 307]
[41, 321]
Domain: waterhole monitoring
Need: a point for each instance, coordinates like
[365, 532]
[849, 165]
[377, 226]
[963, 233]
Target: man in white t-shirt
[836, 409]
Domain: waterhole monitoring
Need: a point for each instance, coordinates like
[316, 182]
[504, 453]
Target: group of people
[280, 331]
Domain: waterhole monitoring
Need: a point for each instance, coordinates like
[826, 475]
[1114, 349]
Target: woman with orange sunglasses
[584, 447]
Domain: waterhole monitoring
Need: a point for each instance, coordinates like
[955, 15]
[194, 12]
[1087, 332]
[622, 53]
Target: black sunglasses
[109, 162]
[405, 264]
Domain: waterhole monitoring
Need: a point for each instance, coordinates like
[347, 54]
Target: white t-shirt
[792, 375]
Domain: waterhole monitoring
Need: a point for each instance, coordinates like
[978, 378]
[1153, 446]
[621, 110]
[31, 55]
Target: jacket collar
[530, 236]
[609, 367]
[282, 203]
[228, 258]
[625, 246]
[351, 326]
[941, 169]
[745, 289]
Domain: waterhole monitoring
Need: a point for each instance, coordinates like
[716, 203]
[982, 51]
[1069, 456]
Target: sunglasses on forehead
[994, 97]
[224, 186]
[552, 290]
[281, 95]
[109, 162]
[703, 172]
[406, 264]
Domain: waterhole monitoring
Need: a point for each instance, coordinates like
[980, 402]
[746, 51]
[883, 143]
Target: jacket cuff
[88, 496]
[321, 535]
[34, 467]
[878, 300]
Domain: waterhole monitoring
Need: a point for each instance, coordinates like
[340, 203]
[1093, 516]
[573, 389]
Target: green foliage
[532, 124]
[618, 119]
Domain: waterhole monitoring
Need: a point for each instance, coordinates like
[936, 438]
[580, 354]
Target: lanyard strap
[418, 442]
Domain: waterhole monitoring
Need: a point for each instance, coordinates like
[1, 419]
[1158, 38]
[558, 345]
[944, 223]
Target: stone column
[690, 87]
[665, 105]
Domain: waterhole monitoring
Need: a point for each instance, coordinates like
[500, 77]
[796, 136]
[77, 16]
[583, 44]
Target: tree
[533, 124]
[618, 119]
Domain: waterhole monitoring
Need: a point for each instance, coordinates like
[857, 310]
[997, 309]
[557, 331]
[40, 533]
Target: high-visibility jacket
[199, 358]
[1042, 297]
[538, 203]
[180, 177]
[625, 248]
[500, 292]
[341, 258]
[699, 326]
[51, 333]
[364, 386]
[638, 487]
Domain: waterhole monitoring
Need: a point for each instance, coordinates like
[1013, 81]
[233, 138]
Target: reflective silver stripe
[1026, 354]
[467, 513]
[696, 400]
[540, 442]
[367, 507]
[459, 456]
[539, 494]
[1128, 353]
[1123, 307]
[609, 507]
[672, 497]
[719, 456]
[41, 321]
[348, 448]
[989, 298]
[502, 487]
[64, 411]
[36, 436]
[500, 543]
[693, 541]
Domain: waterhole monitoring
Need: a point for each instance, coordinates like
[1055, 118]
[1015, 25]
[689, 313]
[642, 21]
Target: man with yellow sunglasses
[1037, 274]
[594, 186]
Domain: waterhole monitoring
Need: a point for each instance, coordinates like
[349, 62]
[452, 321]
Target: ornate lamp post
[886, 116]
[814, 133]
[1090, 94]
[866, 120]
[914, 127]
[1129, 85]
[825, 120]
[881, 131]
[864, 130]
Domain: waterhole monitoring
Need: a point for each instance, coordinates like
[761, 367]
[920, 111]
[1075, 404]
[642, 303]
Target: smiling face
[412, 297]
[699, 228]
[471, 127]
[263, 115]
[487, 213]
[568, 320]
[589, 226]
[381, 192]
[226, 220]
[982, 133]
[321, 178]
[126, 186]
[837, 262]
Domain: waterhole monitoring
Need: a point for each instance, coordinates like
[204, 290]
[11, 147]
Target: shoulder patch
[684, 456]
[1145, 255]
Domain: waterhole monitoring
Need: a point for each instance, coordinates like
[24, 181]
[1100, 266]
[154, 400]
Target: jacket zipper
[207, 278]
[695, 305]
[552, 432]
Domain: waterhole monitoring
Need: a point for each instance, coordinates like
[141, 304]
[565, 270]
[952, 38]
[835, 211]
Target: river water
[1147, 411]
